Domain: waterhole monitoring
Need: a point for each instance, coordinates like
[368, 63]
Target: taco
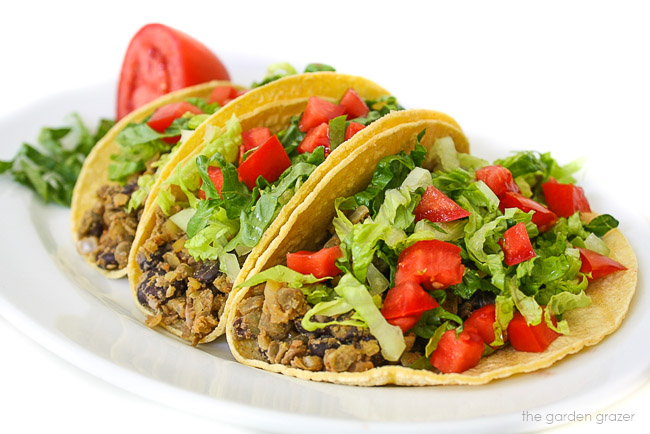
[114, 182]
[414, 264]
[232, 186]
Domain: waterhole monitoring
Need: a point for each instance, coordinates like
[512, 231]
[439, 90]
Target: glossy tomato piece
[159, 60]
[317, 136]
[436, 206]
[268, 161]
[516, 245]
[216, 176]
[498, 178]
[482, 320]
[433, 264]
[163, 117]
[318, 111]
[222, 95]
[407, 299]
[354, 105]
[565, 199]
[321, 263]
[598, 265]
[352, 129]
[530, 338]
[543, 217]
[405, 323]
[253, 138]
[457, 354]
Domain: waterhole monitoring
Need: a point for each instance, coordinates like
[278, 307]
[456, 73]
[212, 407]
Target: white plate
[52, 295]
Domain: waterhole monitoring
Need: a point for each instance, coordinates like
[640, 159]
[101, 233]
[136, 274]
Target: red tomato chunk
[317, 136]
[252, 139]
[163, 117]
[216, 176]
[530, 338]
[458, 355]
[516, 245]
[498, 178]
[268, 161]
[352, 129]
[318, 111]
[565, 199]
[433, 264]
[543, 217]
[321, 263]
[405, 300]
[435, 206]
[222, 95]
[598, 265]
[354, 105]
[482, 320]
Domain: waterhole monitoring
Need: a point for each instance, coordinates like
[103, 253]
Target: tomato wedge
[407, 299]
[253, 138]
[352, 129]
[318, 111]
[321, 263]
[516, 245]
[433, 264]
[598, 265]
[544, 218]
[216, 176]
[161, 59]
[163, 117]
[354, 105]
[222, 95]
[482, 320]
[268, 161]
[436, 206]
[317, 136]
[405, 323]
[530, 338]
[565, 199]
[457, 355]
[498, 178]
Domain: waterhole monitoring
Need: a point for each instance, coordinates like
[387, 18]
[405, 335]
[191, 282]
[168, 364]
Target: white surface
[571, 78]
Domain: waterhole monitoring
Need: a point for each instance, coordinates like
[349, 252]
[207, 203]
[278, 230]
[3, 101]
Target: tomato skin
[544, 218]
[216, 176]
[354, 105]
[222, 95]
[407, 299]
[160, 59]
[565, 199]
[498, 178]
[321, 263]
[318, 111]
[268, 161]
[405, 323]
[598, 265]
[482, 320]
[457, 355]
[163, 117]
[317, 136]
[253, 138]
[436, 206]
[434, 264]
[516, 245]
[530, 338]
[352, 129]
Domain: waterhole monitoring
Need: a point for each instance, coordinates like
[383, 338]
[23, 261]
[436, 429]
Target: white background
[521, 72]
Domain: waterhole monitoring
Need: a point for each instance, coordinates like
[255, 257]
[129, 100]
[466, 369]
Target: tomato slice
[482, 320]
[216, 176]
[352, 129]
[530, 338]
[598, 265]
[354, 105]
[317, 136]
[160, 59]
[407, 299]
[163, 117]
[434, 264]
[544, 218]
[405, 323]
[321, 263]
[498, 178]
[268, 161]
[222, 95]
[457, 355]
[516, 245]
[565, 199]
[436, 206]
[318, 111]
[253, 138]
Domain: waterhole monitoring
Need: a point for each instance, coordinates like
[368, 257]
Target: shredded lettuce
[282, 274]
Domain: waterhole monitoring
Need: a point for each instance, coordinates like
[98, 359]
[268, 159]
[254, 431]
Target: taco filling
[214, 209]
[433, 270]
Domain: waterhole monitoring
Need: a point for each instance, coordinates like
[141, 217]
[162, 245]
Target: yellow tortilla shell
[306, 229]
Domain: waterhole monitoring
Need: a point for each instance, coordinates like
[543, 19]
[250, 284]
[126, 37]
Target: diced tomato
[407, 299]
[433, 264]
[457, 355]
[318, 111]
[160, 59]
[405, 323]
[544, 218]
[530, 338]
[321, 263]
[436, 206]
[598, 265]
[352, 129]
[516, 245]
[354, 105]
[268, 161]
[216, 176]
[483, 320]
[223, 95]
[565, 199]
[498, 178]
[317, 136]
[253, 138]
[163, 117]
